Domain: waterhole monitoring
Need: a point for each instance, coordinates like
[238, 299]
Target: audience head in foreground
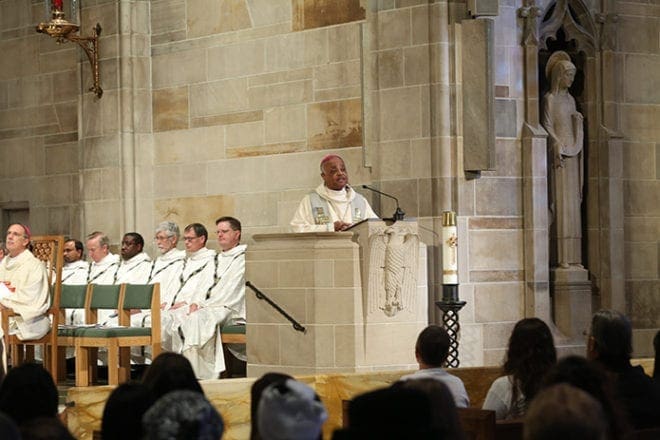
[530, 354]
[256, 391]
[182, 414]
[564, 412]
[28, 392]
[290, 410]
[431, 351]
[170, 372]
[390, 413]
[432, 347]
[610, 345]
[444, 416]
[122, 415]
[45, 428]
[592, 379]
[610, 339]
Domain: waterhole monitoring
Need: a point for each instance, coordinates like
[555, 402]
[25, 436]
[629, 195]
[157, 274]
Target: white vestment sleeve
[31, 299]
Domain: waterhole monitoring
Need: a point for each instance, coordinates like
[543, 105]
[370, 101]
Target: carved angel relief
[393, 267]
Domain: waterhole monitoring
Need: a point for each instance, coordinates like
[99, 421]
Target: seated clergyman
[24, 286]
[222, 303]
[333, 205]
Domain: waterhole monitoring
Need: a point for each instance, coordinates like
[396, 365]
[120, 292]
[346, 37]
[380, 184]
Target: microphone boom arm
[398, 213]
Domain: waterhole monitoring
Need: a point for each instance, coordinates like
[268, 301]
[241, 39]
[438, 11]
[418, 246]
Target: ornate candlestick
[450, 305]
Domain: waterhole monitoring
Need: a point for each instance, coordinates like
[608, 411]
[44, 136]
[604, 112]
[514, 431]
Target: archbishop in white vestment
[224, 304]
[30, 300]
[333, 205]
[345, 205]
[24, 288]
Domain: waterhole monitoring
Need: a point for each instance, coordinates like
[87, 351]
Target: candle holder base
[450, 322]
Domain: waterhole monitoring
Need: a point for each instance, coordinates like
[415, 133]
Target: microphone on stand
[398, 214]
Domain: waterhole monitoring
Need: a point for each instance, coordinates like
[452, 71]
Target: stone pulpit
[361, 296]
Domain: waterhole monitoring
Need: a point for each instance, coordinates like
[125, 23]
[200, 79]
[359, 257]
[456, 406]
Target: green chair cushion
[110, 332]
[66, 331]
[234, 329]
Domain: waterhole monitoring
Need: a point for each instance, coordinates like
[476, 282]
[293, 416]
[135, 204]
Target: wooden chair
[117, 340]
[233, 334]
[49, 249]
[87, 340]
[139, 296]
[478, 424]
[73, 297]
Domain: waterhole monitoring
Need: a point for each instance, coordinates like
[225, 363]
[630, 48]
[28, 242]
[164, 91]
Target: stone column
[115, 131]
[535, 184]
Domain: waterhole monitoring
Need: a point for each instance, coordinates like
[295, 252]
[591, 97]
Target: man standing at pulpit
[24, 286]
[223, 303]
[333, 205]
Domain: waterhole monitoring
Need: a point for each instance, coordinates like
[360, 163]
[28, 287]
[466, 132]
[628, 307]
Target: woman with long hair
[531, 353]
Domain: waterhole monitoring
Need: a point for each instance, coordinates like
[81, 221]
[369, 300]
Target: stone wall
[638, 57]
[226, 106]
[39, 89]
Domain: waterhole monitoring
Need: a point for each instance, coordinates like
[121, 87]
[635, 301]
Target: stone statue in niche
[565, 127]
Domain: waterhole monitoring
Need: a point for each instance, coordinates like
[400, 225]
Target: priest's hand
[341, 226]
[193, 308]
[178, 305]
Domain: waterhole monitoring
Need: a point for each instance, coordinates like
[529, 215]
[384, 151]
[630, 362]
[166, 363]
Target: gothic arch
[575, 19]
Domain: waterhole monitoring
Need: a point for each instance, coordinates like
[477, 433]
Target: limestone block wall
[224, 107]
[38, 122]
[246, 94]
[638, 57]
[115, 146]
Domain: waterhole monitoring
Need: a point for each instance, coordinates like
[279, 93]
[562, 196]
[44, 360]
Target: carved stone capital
[607, 24]
[530, 14]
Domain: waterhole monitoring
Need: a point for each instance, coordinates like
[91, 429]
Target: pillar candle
[449, 248]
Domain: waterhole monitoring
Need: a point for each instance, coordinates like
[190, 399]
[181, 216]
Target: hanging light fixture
[62, 30]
